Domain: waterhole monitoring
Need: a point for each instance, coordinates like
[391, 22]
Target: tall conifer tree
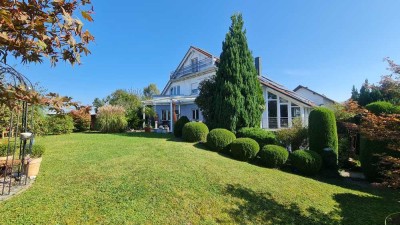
[238, 100]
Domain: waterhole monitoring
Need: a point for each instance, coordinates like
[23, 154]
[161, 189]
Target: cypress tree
[238, 100]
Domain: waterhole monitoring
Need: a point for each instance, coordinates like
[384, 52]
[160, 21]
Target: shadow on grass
[261, 208]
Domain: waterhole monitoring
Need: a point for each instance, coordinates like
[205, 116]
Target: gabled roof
[314, 92]
[283, 90]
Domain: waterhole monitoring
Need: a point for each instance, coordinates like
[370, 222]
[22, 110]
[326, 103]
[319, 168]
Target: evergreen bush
[323, 132]
[263, 137]
[195, 132]
[372, 153]
[244, 149]
[179, 126]
[59, 124]
[3, 149]
[37, 151]
[381, 107]
[273, 156]
[307, 162]
[219, 139]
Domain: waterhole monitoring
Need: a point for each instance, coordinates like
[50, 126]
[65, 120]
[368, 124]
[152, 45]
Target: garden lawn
[145, 178]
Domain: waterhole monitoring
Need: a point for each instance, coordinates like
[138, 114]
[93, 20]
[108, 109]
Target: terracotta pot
[33, 167]
[147, 129]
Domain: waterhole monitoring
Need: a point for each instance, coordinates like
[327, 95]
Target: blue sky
[325, 45]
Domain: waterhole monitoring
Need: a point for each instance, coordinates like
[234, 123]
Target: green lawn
[155, 179]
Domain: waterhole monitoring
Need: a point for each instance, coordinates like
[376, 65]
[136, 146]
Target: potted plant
[34, 159]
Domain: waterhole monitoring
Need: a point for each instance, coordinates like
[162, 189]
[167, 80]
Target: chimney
[258, 66]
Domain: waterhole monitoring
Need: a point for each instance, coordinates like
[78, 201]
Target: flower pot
[147, 129]
[33, 167]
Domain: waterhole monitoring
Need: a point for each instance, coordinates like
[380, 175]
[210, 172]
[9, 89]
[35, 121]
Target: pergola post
[144, 115]
[170, 117]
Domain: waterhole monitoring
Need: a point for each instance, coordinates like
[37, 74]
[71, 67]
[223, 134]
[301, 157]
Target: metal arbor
[17, 125]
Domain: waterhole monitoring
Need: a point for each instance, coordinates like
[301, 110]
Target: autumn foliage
[81, 118]
[32, 29]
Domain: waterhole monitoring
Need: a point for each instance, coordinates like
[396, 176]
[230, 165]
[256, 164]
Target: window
[195, 65]
[178, 90]
[194, 88]
[272, 111]
[177, 114]
[295, 111]
[171, 91]
[165, 115]
[195, 114]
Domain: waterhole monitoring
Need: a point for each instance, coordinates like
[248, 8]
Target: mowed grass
[155, 179]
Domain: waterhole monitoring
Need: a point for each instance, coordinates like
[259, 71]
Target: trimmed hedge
[179, 126]
[323, 132]
[273, 156]
[381, 107]
[37, 151]
[263, 137]
[219, 139]
[307, 162]
[244, 149]
[195, 132]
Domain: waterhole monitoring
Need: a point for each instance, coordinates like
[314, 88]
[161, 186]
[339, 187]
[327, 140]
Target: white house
[178, 95]
[317, 98]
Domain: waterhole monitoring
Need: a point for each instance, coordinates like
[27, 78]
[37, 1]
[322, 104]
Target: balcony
[193, 68]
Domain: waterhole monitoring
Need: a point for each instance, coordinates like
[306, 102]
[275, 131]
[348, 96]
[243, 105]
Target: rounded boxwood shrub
[273, 156]
[195, 132]
[179, 126]
[37, 151]
[219, 139]
[381, 107]
[322, 132]
[263, 137]
[307, 162]
[244, 149]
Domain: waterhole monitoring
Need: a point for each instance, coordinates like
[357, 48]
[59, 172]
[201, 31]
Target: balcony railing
[193, 68]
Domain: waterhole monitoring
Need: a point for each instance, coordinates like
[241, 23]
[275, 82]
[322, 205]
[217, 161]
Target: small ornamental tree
[81, 118]
[237, 95]
[322, 131]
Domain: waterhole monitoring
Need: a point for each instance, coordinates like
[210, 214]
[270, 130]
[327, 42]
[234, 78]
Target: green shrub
[219, 139]
[295, 136]
[59, 124]
[381, 107]
[307, 162]
[273, 156]
[263, 137]
[179, 126]
[323, 132]
[3, 149]
[111, 119]
[195, 132]
[372, 158]
[244, 149]
[37, 151]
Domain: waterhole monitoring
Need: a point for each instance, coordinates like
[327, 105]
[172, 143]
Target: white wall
[316, 98]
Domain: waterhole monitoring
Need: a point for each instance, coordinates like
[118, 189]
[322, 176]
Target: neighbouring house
[177, 98]
[317, 98]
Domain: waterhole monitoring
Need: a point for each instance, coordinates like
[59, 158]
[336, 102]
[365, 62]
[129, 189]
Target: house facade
[282, 106]
[317, 98]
